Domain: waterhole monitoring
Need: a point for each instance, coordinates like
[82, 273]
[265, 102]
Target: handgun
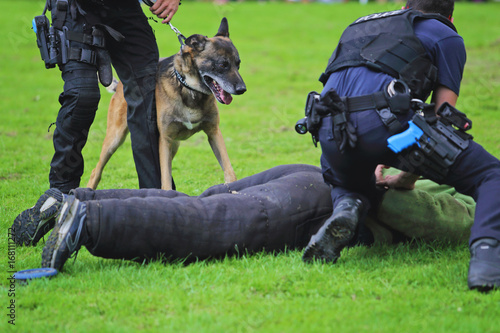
[403, 140]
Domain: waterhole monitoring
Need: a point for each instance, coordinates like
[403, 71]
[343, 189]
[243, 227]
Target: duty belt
[394, 99]
[366, 102]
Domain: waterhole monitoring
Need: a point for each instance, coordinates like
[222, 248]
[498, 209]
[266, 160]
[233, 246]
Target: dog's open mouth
[220, 94]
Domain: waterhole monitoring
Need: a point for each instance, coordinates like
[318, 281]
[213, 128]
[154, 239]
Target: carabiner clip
[180, 36]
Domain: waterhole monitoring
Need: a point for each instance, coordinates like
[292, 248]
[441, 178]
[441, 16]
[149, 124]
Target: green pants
[429, 212]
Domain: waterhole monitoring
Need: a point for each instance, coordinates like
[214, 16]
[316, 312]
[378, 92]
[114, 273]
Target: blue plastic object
[403, 140]
[35, 273]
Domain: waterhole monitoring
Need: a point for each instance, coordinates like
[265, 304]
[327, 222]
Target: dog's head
[216, 63]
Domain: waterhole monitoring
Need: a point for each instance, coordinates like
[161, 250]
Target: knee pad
[87, 98]
[78, 110]
[81, 87]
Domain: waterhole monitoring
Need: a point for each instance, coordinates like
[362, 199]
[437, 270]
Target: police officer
[100, 32]
[418, 46]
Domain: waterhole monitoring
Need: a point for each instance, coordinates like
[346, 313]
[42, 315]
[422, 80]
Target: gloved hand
[343, 131]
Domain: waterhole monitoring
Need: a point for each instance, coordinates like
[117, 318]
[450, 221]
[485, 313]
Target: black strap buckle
[83, 55]
[98, 41]
[390, 120]
[88, 56]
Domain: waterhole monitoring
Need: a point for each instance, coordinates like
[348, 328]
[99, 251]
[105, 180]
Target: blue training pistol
[405, 139]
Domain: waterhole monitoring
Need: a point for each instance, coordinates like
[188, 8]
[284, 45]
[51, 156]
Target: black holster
[312, 120]
[443, 140]
[55, 40]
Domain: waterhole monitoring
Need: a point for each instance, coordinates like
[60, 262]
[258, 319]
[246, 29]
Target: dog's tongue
[226, 97]
[220, 94]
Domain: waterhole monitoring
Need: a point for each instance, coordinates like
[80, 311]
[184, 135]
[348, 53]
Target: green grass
[284, 47]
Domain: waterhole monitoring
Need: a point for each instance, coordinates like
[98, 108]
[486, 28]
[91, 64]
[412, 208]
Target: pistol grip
[405, 139]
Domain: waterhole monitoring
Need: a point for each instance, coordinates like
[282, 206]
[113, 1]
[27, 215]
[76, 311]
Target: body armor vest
[386, 42]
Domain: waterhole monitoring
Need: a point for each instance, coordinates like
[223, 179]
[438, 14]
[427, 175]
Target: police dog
[189, 85]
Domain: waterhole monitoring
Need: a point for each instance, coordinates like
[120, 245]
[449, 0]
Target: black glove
[99, 31]
[343, 131]
[103, 61]
[329, 103]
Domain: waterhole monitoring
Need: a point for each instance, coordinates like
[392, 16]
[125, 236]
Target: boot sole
[32, 224]
[480, 282]
[50, 247]
[55, 248]
[327, 244]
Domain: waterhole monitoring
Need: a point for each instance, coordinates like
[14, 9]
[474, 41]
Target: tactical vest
[386, 42]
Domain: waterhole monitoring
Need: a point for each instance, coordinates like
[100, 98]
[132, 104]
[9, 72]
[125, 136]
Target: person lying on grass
[277, 209]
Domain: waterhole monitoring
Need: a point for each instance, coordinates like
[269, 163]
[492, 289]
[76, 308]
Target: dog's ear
[196, 42]
[223, 29]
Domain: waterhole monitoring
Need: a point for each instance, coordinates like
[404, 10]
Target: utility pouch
[398, 97]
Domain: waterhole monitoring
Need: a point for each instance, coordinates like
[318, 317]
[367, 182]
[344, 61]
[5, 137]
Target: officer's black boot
[336, 232]
[484, 268]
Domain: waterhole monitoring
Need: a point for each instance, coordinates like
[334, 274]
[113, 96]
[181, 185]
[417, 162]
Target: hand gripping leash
[180, 36]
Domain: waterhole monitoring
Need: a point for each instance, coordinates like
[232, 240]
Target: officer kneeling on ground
[371, 112]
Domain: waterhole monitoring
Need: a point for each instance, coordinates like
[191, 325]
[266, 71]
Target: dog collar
[182, 80]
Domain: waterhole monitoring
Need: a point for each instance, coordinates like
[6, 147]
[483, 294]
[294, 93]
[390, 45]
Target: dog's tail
[112, 87]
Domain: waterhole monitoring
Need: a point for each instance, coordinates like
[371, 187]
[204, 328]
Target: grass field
[284, 47]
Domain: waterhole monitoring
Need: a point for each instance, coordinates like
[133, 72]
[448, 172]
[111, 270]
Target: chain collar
[182, 80]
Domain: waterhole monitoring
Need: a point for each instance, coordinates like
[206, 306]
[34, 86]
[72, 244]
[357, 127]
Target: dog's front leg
[168, 148]
[219, 148]
[116, 132]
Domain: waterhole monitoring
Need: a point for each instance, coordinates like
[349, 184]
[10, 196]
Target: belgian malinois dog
[188, 86]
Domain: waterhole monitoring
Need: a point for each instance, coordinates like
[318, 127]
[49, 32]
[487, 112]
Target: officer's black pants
[135, 60]
[273, 210]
